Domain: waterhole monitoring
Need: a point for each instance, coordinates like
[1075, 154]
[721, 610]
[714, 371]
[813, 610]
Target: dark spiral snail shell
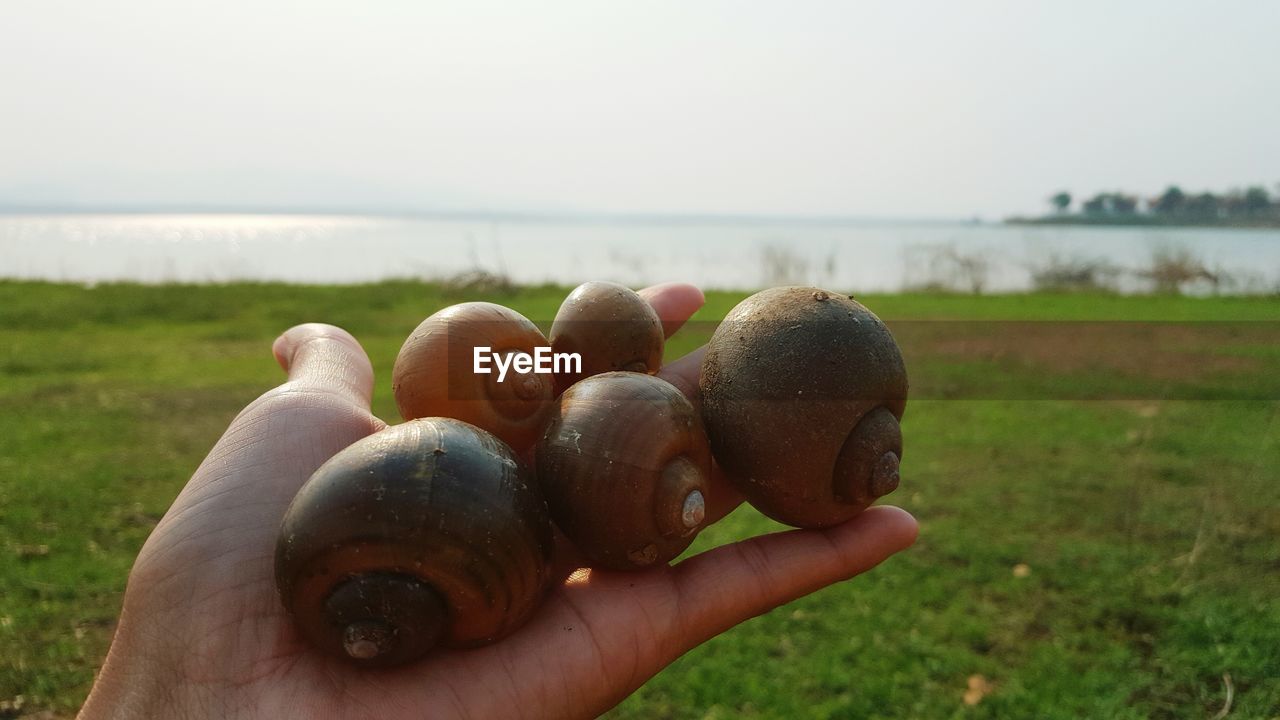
[624, 466]
[427, 533]
[802, 392]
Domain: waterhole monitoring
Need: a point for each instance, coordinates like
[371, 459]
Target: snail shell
[434, 374]
[611, 327]
[802, 393]
[624, 466]
[426, 533]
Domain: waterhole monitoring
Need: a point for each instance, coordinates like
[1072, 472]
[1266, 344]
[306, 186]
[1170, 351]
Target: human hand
[203, 634]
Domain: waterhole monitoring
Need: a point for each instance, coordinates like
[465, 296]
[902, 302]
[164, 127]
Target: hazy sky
[885, 109]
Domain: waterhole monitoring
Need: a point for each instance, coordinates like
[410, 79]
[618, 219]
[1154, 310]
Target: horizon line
[531, 216]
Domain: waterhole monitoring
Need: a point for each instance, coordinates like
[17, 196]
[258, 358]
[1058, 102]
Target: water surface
[859, 257]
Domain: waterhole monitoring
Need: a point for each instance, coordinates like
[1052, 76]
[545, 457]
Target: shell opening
[695, 509]
[386, 618]
[680, 502]
[367, 639]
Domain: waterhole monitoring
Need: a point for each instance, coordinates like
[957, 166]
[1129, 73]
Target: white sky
[869, 108]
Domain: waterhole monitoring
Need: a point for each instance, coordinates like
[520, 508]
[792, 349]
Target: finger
[324, 357]
[679, 301]
[239, 493]
[732, 583]
[675, 303]
[683, 373]
[721, 496]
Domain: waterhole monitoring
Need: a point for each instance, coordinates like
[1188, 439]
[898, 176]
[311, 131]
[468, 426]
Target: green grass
[1142, 496]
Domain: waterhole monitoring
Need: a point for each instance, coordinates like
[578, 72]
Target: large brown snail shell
[611, 327]
[434, 374]
[624, 466]
[802, 392]
[427, 533]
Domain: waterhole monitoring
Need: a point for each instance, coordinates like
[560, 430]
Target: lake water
[858, 257]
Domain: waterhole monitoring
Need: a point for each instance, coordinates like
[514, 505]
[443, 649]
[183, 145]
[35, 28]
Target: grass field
[1099, 501]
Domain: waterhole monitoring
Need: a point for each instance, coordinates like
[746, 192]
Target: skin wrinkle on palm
[213, 551]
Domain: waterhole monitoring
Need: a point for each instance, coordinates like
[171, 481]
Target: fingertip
[282, 350]
[674, 303]
[325, 356]
[286, 346]
[896, 526]
[685, 292]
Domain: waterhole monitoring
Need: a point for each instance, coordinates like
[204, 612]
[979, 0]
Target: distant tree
[1110, 203]
[1171, 201]
[1099, 204]
[1122, 204]
[1205, 206]
[1256, 200]
[1232, 203]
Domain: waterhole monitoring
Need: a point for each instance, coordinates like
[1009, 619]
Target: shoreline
[1146, 221]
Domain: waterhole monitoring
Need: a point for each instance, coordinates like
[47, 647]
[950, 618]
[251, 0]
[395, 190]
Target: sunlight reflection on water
[351, 249]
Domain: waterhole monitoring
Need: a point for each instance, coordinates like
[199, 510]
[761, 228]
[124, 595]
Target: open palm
[203, 634]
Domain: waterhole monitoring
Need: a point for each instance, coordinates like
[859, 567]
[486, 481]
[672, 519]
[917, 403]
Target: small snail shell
[429, 532]
[802, 393]
[624, 467]
[434, 374]
[611, 327]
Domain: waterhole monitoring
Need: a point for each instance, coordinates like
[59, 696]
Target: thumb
[325, 358]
